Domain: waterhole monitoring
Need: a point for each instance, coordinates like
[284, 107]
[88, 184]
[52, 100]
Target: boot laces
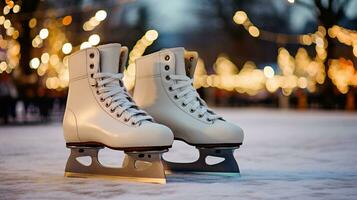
[111, 90]
[185, 91]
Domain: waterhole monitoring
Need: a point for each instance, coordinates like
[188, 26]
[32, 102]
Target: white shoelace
[117, 99]
[183, 85]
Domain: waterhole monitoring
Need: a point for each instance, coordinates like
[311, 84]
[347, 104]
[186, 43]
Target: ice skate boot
[101, 113]
[163, 88]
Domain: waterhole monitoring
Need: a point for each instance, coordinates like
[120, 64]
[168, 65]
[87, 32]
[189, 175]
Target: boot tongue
[109, 58]
[180, 68]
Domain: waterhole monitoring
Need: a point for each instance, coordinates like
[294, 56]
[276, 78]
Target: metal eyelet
[91, 55]
[133, 123]
[91, 66]
[107, 105]
[175, 97]
[97, 92]
[192, 111]
[167, 67]
[118, 115]
[167, 57]
[101, 99]
[183, 104]
[168, 78]
[170, 89]
[200, 116]
[126, 120]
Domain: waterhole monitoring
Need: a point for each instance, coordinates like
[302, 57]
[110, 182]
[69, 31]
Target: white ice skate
[100, 113]
[163, 88]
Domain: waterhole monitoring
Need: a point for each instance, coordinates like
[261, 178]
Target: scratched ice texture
[286, 155]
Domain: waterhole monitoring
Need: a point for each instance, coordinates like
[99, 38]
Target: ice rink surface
[285, 155]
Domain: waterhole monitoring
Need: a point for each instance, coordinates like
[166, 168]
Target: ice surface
[286, 155]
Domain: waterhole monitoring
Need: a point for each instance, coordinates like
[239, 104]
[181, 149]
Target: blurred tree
[28, 9]
[328, 13]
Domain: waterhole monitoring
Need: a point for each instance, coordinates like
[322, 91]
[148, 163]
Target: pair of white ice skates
[101, 113]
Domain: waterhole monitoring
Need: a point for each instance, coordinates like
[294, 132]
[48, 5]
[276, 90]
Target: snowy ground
[286, 155]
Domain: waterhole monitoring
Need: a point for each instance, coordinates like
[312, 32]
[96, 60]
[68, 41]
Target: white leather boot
[164, 89]
[100, 112]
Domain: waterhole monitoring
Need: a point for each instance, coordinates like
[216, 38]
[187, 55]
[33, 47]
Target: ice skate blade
[228, 165]
[137, 166]
[115, 178]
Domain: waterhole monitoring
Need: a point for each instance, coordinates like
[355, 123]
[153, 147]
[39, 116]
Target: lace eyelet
[118, 115]
[97, 92]
[92, 75]
[192, 111]
[183, 104]
[208, 120]
[91, 55]
[111, 110]
[133, 123]
[200, 116]
[170, 89]
[106, 105]
[167, 67]
[167, 57]
[91, 66]
[175, 97]
[126, 120]
[168, 78]
[101, 99]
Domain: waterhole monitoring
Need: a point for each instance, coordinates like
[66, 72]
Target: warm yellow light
[15, 35]
[45, 57]
[100, 15]
[10, 31]
[67, 20]
[272, 84]
[3, 66]
[54, 59]
[6, 10]
[319, 42]
[253, 31]
[87, 26]
[240, 17]
[151, 35]
[43, 33]
[302, 82]
[32, 23]
[52, 83]
[94, 39]
[291, 1]
[37, 41]
[67, 48]
[268, 72]
[306, 39]
[34, 63]
[10, 3]
[16, 9]
[85, 45]
[93, 22]
[7, 24]
[41, 70]
[2, 20]
[355, 50]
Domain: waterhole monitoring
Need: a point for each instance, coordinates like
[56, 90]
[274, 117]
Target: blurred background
[297, 54]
